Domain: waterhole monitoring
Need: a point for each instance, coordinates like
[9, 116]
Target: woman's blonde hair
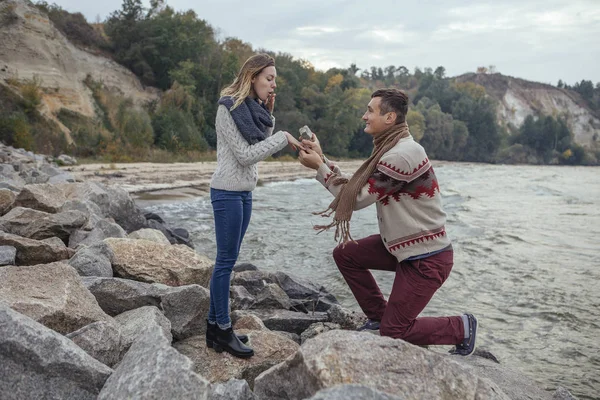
[242, 85]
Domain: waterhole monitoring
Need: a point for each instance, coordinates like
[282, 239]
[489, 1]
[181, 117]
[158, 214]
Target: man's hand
[310, 158]
[313, 144]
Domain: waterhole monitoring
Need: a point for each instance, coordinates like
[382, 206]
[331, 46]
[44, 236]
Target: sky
[538, 40]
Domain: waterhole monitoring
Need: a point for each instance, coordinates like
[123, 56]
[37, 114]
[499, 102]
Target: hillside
[518, 98]
[32, 47]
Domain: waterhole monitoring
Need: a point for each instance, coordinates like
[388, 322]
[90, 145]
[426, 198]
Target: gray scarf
[251, 118]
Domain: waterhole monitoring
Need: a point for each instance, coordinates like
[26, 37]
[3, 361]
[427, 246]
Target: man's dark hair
[393, 100]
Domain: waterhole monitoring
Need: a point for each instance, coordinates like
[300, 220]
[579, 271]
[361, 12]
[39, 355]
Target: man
[399, 179]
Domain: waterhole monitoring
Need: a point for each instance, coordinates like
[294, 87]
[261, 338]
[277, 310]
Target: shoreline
[153, 183]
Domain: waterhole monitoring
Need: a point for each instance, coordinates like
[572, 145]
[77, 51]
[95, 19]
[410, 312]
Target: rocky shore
[99, 299]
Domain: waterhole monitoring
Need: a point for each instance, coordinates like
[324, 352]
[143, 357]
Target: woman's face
[264, 84]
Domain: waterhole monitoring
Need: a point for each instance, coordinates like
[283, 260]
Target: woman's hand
[292, 141]
[270, 103]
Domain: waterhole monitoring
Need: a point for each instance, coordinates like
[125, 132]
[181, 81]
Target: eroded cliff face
[518, 98]
[31, 46]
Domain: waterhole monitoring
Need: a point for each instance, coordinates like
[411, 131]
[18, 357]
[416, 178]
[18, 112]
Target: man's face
[376, 123]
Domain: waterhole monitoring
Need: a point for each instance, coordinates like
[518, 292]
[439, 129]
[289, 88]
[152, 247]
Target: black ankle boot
[227, 340]
[210, 335]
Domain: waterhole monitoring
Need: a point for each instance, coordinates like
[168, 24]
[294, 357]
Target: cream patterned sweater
[408, 200]
[236, 158]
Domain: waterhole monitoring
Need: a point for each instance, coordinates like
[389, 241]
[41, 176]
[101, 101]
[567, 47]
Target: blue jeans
[232, 211]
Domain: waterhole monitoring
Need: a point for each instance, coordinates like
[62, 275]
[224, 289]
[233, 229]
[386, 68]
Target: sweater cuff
[324, 174]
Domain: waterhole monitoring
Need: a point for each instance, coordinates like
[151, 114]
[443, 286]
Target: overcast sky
[540, 40]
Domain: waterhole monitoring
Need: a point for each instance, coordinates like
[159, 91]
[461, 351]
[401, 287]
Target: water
[527, 258]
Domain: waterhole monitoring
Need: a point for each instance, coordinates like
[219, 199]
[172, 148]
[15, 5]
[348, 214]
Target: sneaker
[370, 325]
[467, 347]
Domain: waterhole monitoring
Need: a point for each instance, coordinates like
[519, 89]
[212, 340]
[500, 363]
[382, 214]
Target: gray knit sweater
[236, 159]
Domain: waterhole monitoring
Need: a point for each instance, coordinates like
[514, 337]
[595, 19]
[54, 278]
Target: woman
[244, 127]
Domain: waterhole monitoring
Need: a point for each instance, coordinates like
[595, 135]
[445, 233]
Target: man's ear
[390, 118]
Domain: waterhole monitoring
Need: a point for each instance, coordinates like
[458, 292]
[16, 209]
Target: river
[527, 258]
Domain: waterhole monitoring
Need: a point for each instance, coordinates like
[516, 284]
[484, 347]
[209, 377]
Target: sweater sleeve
[271, 129]
[245, 153]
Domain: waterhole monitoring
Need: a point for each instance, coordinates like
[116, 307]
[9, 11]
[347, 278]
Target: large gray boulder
[153, 235]
[116, 295]
[318, 329]
[187, 309]
[271, 296]
[133, 323]
[123, 209]
[88, 192]
[8, 255]
[94, 260]
[105, 228]
[38, 363]
[31, 251]
[152, 369]
[269, 349]
[389, 365]
[87, 207]
[289, 321]
[51, 294]
[253, 281]
[314, 297]
[233, 389]
[101, 340]
[7, 199]
[173, 265]
[40, 225]
[42, 197]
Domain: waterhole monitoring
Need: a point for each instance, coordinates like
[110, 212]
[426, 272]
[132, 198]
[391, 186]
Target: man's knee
[339, 254]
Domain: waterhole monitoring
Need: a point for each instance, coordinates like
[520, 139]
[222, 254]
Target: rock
[31, 252]
[67, 160]
[315, 297]
[317, 329]
[253, 281]
[241, 299]
[352, 392]
[33, 176]
[248, 321]
[54, 241]
[272, 297]
[62, 178]
[88, 192]
[116, 296]
[51, 294]
[289, 321]
[350, 320]
[38, 363]
[152, 369]
[153, 216]
[187, 309]
[389, 365]
[269, 350]
[156, 263]
[101, 340]
[94, 260]
[563, 394]
[233, 389]
[134, 322]
[7, 255]
[123, 210]
[292, 336]
[245, 267]
[104, 229]
[10, 179]
[152, 235]
[40, 225]
[93, 212]
[7, 199]
[513, 383]
[42, 197]
[174, 238]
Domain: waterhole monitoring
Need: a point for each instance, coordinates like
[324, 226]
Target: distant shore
[151, 183]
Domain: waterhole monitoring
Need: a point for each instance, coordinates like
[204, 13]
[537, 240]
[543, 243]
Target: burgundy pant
[414, 285]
